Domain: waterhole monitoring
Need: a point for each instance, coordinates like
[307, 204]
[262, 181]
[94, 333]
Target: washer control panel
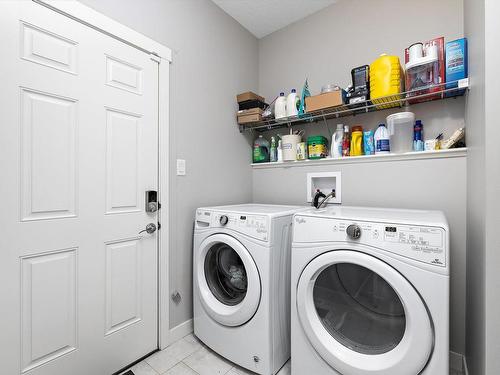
[422, 243]
[256, 226]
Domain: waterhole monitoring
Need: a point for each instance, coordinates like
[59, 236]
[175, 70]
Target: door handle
[150, 229]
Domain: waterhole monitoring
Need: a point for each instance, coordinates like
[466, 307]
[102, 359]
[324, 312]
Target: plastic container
[280, 107]
[382, 140]
[261, 150]
[386, 79]
[418, 136]
[317, 147]
[289, 146]
[336, 145]
[368, 142]
[274, 150]
[357, 141]
[400, 127]
[292, 104]
[346, 142]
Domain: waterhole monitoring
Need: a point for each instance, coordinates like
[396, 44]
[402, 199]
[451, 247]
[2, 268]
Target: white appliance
[370, 292]
[241, 282]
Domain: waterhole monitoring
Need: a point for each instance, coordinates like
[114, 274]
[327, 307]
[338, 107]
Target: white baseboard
[179, 331]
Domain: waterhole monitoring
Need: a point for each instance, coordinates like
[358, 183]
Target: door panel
[78, 149]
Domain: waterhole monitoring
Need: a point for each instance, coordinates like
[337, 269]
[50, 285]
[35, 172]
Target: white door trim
[163, 55]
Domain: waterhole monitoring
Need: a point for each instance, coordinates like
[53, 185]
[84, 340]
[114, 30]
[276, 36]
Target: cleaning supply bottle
[336, 145]
[280, 106]
[418, 137]
[357, 141]
[292, 104]
[382, 140]
[280, 151]
[346, 142]
[274, 150]
[261, 150]
[368, 142]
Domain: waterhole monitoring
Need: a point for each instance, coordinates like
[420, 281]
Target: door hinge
[159, 226]
[155, 57]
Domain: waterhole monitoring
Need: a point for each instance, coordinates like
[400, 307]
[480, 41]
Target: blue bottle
[418, 137]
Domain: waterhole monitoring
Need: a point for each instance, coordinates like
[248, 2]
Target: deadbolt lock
[152, 204]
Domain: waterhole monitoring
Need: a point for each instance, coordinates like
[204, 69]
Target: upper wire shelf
[420, 95]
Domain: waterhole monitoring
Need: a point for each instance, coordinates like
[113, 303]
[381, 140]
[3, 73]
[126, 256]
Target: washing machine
[370, 292]
[241, 283]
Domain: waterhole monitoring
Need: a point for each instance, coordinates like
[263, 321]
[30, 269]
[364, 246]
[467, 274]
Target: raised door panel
[123, 75]
[123, 285]
[122, 162]
[46, 48]
[49, 313]
[48, 156]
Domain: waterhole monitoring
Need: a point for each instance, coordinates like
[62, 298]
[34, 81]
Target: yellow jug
[386, 81]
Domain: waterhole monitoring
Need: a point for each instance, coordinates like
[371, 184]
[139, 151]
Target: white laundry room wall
[483, 189]
[324, 47]
[214, 59]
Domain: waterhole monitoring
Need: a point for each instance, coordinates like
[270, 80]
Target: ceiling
[262, 17]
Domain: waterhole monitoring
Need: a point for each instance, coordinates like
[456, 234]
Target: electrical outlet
[326, 182]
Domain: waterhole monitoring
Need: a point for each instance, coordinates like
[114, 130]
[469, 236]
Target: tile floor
[189, 356]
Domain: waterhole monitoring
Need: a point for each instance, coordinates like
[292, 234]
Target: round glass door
[362, 316]
[226, 274]
[227, 280]
[359, 308]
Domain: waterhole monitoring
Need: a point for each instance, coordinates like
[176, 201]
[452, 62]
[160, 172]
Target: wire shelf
[420, 95]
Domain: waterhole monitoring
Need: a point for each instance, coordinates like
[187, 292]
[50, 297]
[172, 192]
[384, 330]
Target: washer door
[362, 316]
[228, 280]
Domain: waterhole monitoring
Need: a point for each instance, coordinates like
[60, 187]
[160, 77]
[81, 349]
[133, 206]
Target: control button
[375, 234]
[353, 231]
[223, 220]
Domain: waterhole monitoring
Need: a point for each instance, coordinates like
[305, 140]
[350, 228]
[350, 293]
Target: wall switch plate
[325, 181]
[181, 167]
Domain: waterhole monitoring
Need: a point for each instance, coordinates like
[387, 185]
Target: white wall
[214, 59]
[324, 47]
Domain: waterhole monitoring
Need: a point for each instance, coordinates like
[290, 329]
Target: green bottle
[260, 150]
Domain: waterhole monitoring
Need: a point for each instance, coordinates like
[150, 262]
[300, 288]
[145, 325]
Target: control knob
[353, 231]
[223, 220]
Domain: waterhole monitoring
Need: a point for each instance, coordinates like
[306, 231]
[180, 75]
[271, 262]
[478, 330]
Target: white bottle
[280, 106]
[292, 104]
[336, 148]
[382, 140]
[280, 151]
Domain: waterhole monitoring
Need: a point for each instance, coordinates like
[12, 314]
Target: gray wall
[476, 199]
[214, 59]
[324, 47]
[483, 278]
[492, 184]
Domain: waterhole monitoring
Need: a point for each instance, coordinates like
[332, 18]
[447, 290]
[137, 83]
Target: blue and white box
[456, 64]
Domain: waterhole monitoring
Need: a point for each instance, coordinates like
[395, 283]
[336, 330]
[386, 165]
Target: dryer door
[362, 316]
[228, 280]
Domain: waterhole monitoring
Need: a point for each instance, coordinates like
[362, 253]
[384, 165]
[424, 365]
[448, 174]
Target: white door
[78, 150]
[362, 316]
[227, 279]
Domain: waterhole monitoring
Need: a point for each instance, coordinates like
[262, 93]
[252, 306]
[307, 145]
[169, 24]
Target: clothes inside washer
[359, 308]
[225, 274]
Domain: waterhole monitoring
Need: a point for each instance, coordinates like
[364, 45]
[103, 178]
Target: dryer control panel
[421, 243]
[256, 226]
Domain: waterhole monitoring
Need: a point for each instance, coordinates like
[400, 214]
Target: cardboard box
[251, 111]
[456, 64]
[249, 96]
[326, 100]
[247, 119]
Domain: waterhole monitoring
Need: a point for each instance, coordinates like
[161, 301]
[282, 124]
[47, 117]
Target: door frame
[163, 56]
